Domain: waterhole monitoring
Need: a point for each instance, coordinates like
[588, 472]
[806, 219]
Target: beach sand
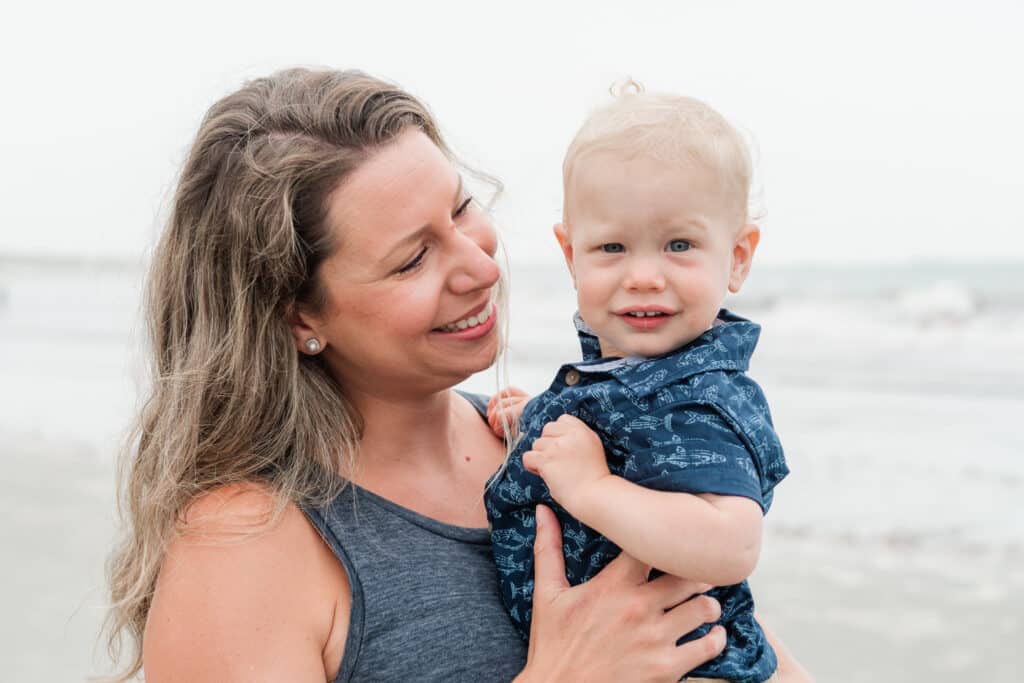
[884, 600]
[893, 552]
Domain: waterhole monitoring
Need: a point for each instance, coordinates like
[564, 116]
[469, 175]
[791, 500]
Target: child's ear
[562, 235]
[742, 255]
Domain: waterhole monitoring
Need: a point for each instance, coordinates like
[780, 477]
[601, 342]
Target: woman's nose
[474, 265]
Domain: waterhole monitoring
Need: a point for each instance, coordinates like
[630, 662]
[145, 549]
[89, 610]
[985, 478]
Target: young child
[656, 443]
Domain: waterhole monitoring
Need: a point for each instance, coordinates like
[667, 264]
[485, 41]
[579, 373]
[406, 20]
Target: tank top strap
[425, 600]
[478, 401]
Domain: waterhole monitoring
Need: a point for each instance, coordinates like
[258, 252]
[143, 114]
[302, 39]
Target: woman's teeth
[471, 321]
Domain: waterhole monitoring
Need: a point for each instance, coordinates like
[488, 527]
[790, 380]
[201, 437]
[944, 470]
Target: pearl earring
[312, 345]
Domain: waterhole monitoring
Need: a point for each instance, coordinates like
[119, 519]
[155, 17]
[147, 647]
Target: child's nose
[644, 276]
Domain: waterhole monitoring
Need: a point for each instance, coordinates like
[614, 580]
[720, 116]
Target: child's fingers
[512, 402]
[509, 393]
[567, 420]
[532, 461]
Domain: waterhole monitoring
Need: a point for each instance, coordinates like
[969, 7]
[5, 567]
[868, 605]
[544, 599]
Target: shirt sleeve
[689, 449]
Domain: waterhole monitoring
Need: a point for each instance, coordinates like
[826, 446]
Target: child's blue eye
[612, 248]
[678, 245]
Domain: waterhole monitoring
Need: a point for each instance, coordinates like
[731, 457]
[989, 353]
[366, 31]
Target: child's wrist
[590, 498]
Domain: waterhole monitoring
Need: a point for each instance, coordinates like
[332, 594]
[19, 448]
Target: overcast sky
[887, 131]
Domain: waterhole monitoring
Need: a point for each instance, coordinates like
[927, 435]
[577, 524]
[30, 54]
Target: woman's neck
[431, 455]
[406, 431]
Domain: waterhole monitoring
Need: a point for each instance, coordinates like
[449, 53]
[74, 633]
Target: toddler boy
[656, 443]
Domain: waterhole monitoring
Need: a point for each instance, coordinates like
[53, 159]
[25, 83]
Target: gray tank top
[425, 601]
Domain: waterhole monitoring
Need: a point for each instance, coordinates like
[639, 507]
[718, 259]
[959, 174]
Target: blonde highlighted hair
[671, 129]
[231, 400]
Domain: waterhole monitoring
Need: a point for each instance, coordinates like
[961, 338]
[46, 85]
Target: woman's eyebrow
[416, 234]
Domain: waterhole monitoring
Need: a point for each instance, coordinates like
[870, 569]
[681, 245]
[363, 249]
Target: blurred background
[889, 281]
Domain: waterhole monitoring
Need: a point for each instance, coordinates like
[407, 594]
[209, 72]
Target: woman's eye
[462, 207]
[613, 248]
[678, 246]
[417, 260]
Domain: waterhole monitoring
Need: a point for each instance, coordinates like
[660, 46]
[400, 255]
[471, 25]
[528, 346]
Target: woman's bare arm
[232, 605]
[790, 670]
[241, 599]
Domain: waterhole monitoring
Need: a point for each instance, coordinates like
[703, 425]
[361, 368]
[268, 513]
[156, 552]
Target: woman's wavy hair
[231, 399]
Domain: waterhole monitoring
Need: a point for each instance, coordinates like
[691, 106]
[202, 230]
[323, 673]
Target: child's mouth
[645, 320]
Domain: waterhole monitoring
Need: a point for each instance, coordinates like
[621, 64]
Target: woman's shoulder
[246, 585]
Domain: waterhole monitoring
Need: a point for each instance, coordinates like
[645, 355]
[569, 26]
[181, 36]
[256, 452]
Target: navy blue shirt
[689, 421]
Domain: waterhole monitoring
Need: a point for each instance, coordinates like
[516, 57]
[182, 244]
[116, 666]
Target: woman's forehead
[394, 192]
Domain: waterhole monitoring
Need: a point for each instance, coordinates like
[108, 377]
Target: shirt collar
[728, 345]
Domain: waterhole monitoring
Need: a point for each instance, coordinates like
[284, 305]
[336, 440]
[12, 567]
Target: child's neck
[609, 351]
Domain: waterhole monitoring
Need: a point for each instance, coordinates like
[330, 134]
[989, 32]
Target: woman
[324, 280]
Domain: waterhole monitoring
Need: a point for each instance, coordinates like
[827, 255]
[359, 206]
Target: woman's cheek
[419, 302]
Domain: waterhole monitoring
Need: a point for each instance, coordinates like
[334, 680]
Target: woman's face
[409, 291]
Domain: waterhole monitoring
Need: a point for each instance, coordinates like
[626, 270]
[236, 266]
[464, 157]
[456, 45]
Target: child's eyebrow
[692, 224]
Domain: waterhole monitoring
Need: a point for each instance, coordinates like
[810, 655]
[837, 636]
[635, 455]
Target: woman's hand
[617, 626]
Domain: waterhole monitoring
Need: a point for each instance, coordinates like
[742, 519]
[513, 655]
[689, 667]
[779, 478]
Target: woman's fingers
[548, 561]
[626, 568]
[615, 626]
[670, 591]
[701, 610]
[690, 655]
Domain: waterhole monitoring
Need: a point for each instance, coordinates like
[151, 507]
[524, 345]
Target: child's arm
[509, 402]
[708, 538]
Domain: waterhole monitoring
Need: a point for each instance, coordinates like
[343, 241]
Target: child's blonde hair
[671, 129]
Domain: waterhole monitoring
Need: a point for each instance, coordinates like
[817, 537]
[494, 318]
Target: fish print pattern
[690, 421]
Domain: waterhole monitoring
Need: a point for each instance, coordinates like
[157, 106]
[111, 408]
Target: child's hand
[569, 457]
[510, 402]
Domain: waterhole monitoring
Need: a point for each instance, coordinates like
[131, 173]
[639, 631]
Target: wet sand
[891, 608]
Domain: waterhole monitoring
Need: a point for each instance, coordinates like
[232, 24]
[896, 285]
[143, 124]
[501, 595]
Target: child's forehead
[605, 169]
[613, 182]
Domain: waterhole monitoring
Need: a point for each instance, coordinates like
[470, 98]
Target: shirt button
[572, 378]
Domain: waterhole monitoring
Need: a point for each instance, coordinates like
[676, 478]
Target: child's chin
[657, 347]
[646, 349]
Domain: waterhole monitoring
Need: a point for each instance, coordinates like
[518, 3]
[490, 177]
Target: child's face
[647, 237]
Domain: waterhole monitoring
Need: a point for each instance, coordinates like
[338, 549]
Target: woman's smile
[478, 323]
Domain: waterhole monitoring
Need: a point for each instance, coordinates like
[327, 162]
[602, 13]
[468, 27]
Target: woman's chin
[472, 364]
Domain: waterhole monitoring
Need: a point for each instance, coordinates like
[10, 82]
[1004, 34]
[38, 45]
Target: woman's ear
[562, 235]
[742, 255]
[304, 331]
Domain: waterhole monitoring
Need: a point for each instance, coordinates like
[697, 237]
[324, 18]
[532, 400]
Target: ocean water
[893, 552]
